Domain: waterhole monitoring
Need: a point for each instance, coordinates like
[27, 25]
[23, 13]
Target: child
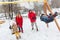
[15, 31]
[48, 18]
[32, 17]
[19, 22]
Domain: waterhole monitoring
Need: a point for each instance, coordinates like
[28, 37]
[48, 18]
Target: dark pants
[20, 29]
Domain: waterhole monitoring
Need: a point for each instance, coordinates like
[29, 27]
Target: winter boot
[55, 14]
[37, 29]
[32, 28]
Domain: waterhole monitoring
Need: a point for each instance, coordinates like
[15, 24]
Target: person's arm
[35, 15]
[22, 19]
[28, 15]
[1, 22]
[16, 20]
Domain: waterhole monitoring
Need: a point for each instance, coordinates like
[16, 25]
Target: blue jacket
[47, 19]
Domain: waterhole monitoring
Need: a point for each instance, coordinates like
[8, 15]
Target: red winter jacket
[32, 16]
[19, 21]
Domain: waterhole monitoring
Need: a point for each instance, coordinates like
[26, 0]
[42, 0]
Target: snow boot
[55, 14]
[37, 29]
[32, 28]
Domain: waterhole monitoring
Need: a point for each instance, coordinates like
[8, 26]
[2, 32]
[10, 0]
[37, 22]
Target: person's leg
[56, 14]
[32, 24]
[41, 17]
[47, 25]
[36, 26]
[46, 20]
[19, 28]
[16, 34]
[17, 38]
[22, 29]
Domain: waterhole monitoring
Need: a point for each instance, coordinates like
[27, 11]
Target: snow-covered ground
[44, 33]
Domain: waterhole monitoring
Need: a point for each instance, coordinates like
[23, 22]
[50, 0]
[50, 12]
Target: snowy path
[44, 33]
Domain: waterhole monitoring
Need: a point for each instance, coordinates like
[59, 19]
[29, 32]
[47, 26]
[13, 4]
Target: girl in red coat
[19, 21]
[32, 17]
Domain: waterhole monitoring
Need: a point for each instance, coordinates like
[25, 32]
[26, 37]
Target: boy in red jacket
[32, 17]
[19, 21]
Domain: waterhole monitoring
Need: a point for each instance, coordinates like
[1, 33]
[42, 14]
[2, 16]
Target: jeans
[46, 19]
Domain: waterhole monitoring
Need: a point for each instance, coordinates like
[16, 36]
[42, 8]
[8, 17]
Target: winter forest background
[9, 9]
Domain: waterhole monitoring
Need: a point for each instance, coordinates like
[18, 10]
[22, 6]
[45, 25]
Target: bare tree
[55, 3]
[10, 8]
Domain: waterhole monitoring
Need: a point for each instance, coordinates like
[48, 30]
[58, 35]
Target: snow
[27, 5]
[44, 33]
